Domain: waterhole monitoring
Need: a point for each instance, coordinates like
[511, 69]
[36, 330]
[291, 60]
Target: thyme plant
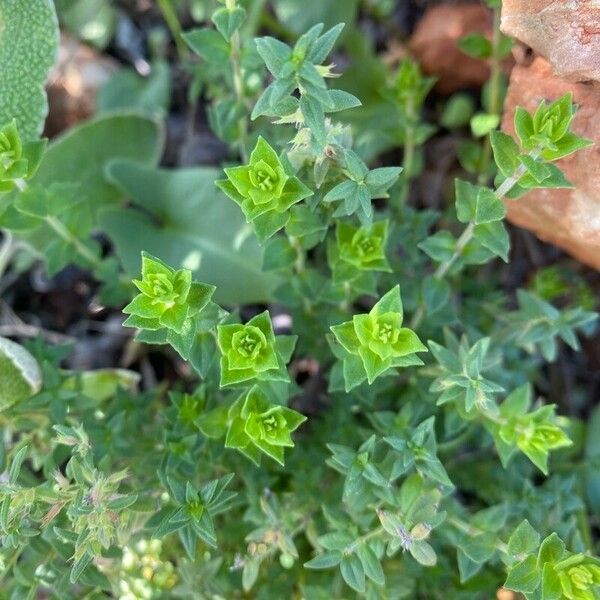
[356, 413]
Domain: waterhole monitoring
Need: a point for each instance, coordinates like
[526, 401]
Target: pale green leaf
[524, 539]
[20, 374]
[353, 572]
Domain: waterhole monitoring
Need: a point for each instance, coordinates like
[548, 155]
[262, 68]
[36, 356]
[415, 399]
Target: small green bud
[286, 560]
[12, 164]
[535, 434]
[410, 85]
[548, 129]
[580, 581]
[18, 161]
[257, 426]
[263, 190]
[378, 340]
[358, 249]
[250, 352]
[167, 299]
[195, 508]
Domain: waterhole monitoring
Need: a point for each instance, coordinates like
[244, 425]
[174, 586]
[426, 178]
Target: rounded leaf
[423, 553]
[19, 372]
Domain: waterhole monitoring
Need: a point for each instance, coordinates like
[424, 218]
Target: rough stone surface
[568, 218]
[73, 84]
[434, 45]
[566, 32]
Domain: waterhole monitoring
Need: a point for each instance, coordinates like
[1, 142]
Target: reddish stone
[569, 218]
[434, 45]
[565, 32]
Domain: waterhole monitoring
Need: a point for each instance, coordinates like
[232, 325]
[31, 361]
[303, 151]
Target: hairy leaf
[28, 43]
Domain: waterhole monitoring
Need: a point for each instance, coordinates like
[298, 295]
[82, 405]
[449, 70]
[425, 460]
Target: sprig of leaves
[372, 344]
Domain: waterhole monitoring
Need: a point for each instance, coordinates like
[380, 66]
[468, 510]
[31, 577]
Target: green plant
[263, 190]
[409, 90]
[408, 454]
[376, 342]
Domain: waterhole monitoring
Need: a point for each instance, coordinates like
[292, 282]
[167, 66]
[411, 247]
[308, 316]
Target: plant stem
[458, 441]
[409, 151]
[253, 19]
[172, 21]
[346, 303]
[495, 95]
[584, 530]
[8, 244]
[467, 235]
[471, 531]
[66, 235]
[461, 243]
[11, 563]
[300, 263]
[362, 539]
[238, 86]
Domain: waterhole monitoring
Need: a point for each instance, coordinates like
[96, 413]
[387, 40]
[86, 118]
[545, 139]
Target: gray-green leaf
[423, 553]
[187, 222]
[353, 572]
[28, 43]
[524, 540]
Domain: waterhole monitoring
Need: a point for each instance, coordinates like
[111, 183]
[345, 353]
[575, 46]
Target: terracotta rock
[77, 75]
[434, 45]
[504, 594]
[569, 218]
[566, 32]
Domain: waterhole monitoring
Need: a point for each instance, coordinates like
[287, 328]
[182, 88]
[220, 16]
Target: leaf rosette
[298, 93]
[17, 160]
[168, 297]
[376, 342]
[263, 190]
[536, 434]
[579, 577]
[549, 129]
[355, 193]
[252, 351]
[358, 249]
[257, 426]
[410, 84]
[556, 573]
